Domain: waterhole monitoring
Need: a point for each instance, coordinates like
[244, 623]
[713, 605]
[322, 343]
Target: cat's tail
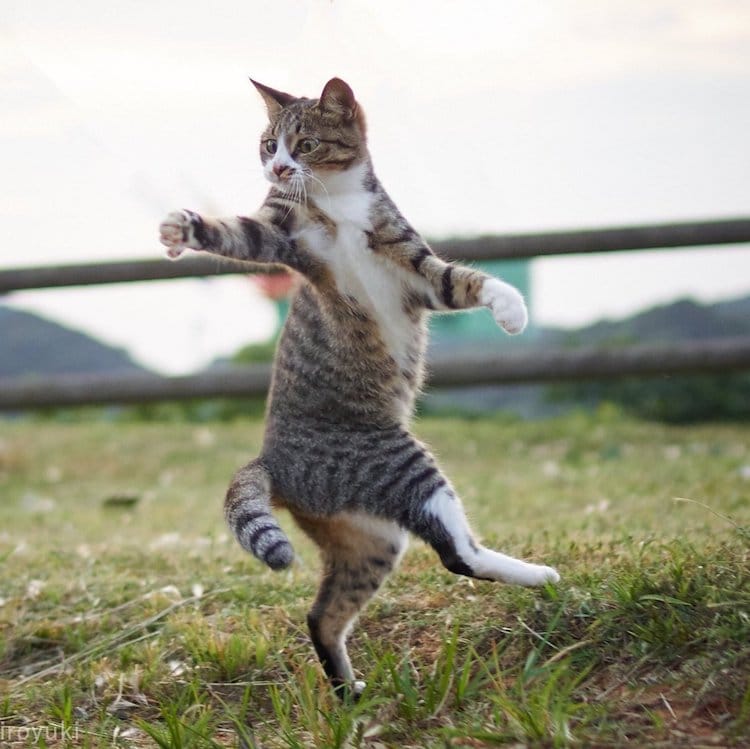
[247, 509]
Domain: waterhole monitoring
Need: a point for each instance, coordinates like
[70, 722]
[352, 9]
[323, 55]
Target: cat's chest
[376, 284]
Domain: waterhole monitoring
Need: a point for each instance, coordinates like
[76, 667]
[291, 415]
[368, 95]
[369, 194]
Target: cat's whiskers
[309, 173]
[289, 197]
[302, 186]
[293, 193]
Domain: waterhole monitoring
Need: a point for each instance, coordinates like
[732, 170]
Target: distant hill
[30, 345]
[673, 399]
[679, 321]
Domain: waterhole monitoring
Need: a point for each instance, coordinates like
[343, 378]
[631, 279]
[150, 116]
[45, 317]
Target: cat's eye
[308, 145]
[271, 146]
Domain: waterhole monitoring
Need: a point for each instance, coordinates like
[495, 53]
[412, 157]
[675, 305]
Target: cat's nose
[281, 170]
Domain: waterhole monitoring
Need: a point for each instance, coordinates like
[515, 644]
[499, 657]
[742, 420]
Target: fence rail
[501, 247]
[720, 355]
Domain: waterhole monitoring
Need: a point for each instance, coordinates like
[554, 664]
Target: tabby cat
[337, 451]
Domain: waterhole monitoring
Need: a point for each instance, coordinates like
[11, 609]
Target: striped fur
[247, 509]
[338, 452]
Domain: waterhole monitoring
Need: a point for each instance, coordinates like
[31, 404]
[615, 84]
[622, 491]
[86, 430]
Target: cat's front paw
[507, 305]
[178, 232]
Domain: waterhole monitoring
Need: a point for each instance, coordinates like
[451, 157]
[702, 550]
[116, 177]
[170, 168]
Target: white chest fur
[373, 281]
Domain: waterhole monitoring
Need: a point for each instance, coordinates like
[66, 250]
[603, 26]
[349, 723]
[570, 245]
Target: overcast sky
[484, 117]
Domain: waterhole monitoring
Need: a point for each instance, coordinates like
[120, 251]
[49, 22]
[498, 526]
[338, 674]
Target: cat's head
[310, 140]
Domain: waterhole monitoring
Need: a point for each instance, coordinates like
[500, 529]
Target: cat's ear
[275, 100]
[338, 97]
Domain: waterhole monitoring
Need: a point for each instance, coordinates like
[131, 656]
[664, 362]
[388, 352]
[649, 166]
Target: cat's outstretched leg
[255, 239]
[358, 551]
[451, 286]
[262, 238]
[442, 523]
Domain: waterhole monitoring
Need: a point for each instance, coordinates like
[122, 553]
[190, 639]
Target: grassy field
[129, 618]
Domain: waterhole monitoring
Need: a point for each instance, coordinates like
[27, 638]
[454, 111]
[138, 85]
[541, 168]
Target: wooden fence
[720, 355]
[494, 247]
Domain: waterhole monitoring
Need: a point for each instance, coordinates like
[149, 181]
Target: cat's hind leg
[247, 509]
[358, 553]
[442, 523]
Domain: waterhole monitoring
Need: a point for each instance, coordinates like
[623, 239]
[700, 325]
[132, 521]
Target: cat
[337, 451]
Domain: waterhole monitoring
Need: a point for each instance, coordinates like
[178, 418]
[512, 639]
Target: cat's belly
[323, 469]
[332, 363]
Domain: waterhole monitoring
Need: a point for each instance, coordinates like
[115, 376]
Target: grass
[130, 619]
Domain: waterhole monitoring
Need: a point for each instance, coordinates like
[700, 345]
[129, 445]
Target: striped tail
[247, 509]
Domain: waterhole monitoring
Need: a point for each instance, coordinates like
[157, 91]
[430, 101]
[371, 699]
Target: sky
[484, 117]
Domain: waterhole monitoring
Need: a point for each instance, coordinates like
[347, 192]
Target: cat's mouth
[297, 182]
[283, 173]
[282, 177]
[294, 183]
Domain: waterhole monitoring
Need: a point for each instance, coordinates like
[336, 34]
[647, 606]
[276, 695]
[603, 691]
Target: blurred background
[485, 119]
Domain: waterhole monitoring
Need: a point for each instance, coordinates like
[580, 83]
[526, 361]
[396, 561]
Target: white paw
[507, 305]
[177, 233]
[538, 575]
[495, 566]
